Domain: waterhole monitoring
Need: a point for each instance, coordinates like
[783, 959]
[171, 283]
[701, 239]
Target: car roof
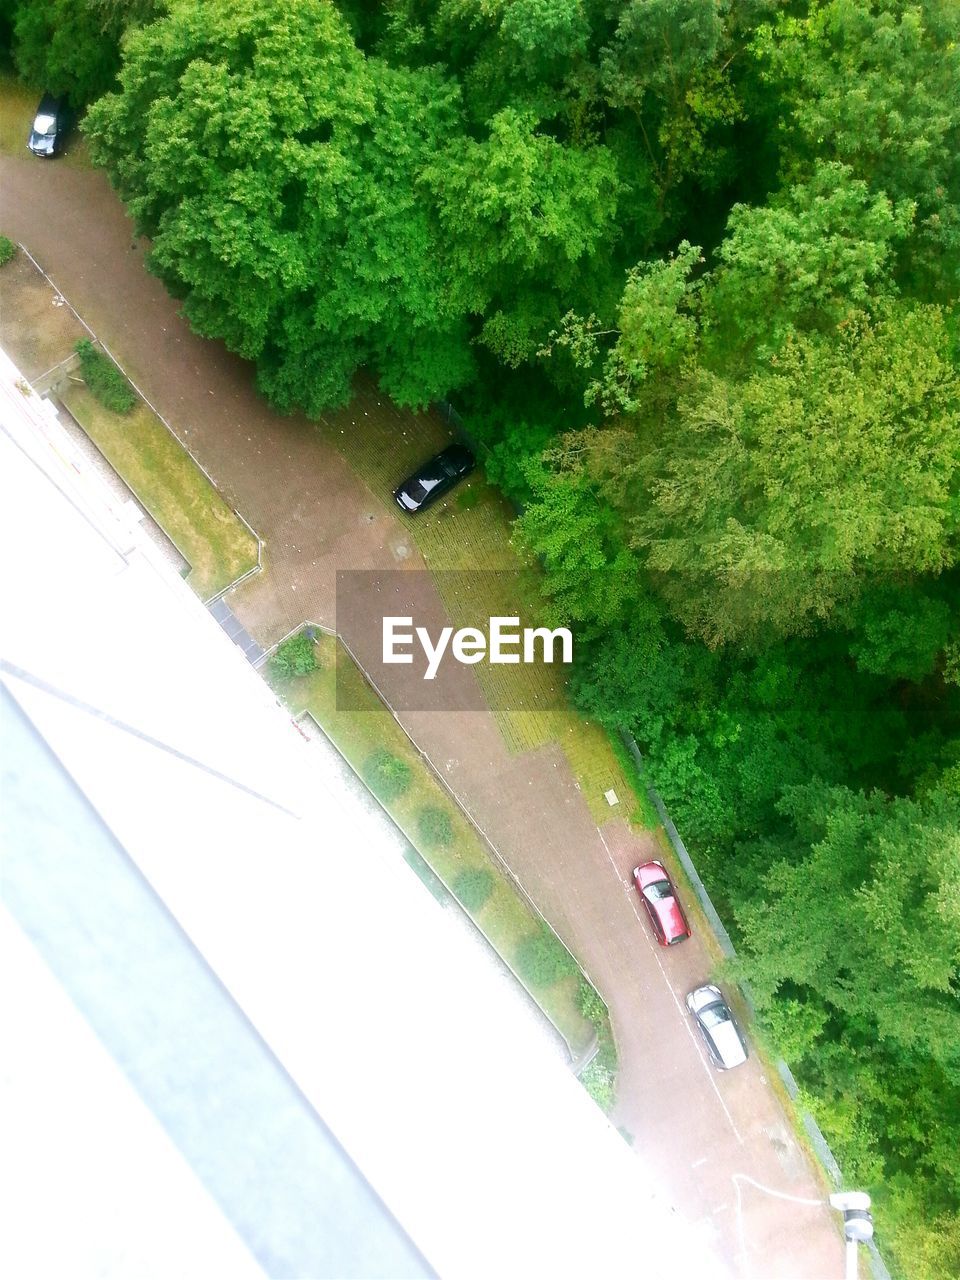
[705, 995]
[671, 917]
[729, 1045]
[651, 872]
[458, 451]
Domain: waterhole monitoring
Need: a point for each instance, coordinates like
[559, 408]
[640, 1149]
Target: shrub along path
[373, 743]
[316, 515]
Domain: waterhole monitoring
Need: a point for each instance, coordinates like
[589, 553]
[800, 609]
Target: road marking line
[685, 1018]
[609, 854]
[697, 1163]
[780, 1195]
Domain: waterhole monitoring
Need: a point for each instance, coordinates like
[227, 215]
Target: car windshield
[45, 124]
[714, 1014]
[659, 889]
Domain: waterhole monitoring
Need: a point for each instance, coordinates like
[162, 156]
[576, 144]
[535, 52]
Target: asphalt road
[720, 1141]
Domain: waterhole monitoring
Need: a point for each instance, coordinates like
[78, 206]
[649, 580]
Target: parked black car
[50, 126]
[434, 478]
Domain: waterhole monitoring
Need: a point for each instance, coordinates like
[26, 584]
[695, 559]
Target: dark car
[721, 1035]
[434, 478]
[49, 127]
[663, 906]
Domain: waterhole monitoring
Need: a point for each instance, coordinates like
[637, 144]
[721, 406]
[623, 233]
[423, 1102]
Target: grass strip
[174, 490]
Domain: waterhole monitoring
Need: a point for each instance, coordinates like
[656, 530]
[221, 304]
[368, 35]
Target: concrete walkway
[698, 1127]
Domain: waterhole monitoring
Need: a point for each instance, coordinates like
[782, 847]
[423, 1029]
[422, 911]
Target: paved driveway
[698, 1127]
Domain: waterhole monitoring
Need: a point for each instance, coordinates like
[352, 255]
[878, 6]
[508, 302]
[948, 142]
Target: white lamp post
[857, 1223]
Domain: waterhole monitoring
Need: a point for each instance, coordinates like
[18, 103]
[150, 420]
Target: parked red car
[663, 906]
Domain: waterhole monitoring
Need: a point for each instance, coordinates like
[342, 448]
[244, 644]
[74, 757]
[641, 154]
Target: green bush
[435, 827]
[295, 657]
[7, 249]
[542, 959]
[473, 887]
[591, 1005]
[386, 776]
[598, 1080]
[104, 379]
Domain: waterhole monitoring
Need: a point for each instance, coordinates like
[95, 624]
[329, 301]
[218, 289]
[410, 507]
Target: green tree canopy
[72, 46]
[874, 85]
[881, 942]
[516, 210]
[867, 992]
[663, 65]
[275, 169]
[760, 505]
[804, 259]
[655, 332]
[593, 576]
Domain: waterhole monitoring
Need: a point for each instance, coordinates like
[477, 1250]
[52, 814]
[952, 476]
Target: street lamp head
[844, 1200]
[857, 1219]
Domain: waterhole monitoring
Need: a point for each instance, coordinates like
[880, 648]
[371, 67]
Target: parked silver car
[49, 127]
[721, 1035]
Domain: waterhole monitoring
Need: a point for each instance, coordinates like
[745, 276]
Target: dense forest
[689, 269]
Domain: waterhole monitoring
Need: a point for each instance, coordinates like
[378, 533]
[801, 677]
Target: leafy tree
[296, 656]
[532, 55]
[764, 502]
[518, 209]
[873, 85]
[387, 776]
[661, 63]
[435, 826]
[275, 169]
[104, 379]
[880, 942]
[592, 577]
[759, 506]
[860, 922]
[902, 633]
[655, 332]
[507, 464]
[803, 260]
[517, 52]
[72, 46]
